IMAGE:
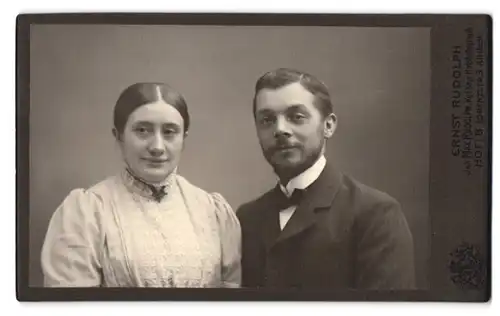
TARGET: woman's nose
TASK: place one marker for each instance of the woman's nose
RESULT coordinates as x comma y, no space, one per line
157,145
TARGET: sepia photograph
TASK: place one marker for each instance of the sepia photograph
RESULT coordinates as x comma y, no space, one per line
264,157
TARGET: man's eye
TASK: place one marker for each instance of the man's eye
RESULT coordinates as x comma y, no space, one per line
298,117
169,132
266,120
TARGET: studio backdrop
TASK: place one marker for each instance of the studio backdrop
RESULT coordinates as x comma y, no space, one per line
379,79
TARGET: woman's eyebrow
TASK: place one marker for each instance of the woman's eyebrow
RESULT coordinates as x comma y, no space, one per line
143,123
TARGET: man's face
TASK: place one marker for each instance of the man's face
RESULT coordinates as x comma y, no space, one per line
291,130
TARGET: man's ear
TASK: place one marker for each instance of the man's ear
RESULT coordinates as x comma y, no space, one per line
330,125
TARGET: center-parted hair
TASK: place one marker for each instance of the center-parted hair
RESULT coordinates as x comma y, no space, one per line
142,93
284,76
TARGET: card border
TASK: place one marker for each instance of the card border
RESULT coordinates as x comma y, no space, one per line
23,22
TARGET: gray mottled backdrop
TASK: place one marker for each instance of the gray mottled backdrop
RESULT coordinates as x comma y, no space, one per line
379,79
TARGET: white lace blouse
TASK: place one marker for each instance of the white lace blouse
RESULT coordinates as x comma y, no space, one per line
115,234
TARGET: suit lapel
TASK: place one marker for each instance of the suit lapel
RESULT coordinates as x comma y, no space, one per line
317,196
270,226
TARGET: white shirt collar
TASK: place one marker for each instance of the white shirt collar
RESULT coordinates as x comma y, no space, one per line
306,178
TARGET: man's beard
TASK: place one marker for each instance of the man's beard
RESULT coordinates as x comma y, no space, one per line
290,171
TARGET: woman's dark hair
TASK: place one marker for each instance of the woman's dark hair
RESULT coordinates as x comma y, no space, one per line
143,93
284,76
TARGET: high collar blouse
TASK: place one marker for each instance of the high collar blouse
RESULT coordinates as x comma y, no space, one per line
119,234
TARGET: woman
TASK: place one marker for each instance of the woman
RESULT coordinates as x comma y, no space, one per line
147,226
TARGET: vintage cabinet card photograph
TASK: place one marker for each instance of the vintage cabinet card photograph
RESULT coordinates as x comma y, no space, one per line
328,157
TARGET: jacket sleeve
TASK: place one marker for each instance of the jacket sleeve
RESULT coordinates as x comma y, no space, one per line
385,251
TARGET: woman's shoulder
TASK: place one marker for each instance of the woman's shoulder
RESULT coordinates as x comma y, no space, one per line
221,205
190,189
104,188
84,206
94,195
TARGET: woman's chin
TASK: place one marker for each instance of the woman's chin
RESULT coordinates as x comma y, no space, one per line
155,176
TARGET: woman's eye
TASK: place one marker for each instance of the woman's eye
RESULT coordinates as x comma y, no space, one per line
141,130
298,117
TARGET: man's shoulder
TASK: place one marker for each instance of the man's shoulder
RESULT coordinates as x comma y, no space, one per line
366,194
368,204
252,209
357,196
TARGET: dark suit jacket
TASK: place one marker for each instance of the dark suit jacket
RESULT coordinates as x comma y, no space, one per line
343,235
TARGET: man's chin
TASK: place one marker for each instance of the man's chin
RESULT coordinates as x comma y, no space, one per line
285,165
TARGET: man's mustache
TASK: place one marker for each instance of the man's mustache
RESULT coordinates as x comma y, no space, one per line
280,145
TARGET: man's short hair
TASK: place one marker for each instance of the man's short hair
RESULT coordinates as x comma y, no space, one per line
284,76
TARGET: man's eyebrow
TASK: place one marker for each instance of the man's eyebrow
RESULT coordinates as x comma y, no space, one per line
171,124
296,106
292,107
265,111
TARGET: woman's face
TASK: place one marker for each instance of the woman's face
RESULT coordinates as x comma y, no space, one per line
152,141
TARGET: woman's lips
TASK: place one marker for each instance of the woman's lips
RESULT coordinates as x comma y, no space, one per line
155,160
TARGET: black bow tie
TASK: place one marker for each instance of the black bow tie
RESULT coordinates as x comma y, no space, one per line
158,193
284,202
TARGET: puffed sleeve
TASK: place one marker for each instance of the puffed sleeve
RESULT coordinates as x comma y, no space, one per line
230,232
70,252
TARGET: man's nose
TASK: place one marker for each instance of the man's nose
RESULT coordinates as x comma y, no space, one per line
282,128
157,145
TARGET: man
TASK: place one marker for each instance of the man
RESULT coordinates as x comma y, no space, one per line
317,228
